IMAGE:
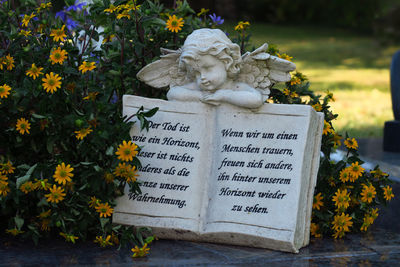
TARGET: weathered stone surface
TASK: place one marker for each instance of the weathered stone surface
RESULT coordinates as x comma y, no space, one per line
225,174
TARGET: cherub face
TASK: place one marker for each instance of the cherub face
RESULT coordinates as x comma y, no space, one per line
210,73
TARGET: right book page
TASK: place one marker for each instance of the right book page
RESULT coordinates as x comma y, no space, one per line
261,175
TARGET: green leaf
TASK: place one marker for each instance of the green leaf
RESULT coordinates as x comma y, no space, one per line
22,180
151,112
110,151
26,177
37,116
19,222
30,171
103,222
97,168
49,145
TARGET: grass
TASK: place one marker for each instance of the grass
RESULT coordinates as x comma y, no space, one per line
354,67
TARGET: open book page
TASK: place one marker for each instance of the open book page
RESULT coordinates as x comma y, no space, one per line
175,166
257,170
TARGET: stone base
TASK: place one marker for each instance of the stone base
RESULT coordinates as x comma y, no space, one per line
391,136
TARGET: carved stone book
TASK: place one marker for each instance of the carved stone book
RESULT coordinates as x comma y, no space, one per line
225,174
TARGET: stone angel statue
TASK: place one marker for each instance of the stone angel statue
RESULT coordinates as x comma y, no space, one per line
209,68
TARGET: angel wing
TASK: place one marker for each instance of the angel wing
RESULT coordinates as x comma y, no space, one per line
163,72
261,70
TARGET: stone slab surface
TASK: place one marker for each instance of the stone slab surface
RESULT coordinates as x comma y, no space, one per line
379,247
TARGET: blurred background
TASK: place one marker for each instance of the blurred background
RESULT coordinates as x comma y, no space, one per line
344,46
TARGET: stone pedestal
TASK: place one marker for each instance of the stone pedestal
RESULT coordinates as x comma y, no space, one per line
391,136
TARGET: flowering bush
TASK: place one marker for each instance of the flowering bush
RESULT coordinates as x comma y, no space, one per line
64,157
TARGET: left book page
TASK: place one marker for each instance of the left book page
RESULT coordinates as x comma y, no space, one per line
176,159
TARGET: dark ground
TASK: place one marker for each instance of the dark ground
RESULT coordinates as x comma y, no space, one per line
379,247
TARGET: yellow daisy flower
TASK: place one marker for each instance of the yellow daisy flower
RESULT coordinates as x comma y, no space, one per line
355,171
108,38
131,175
27,187
121,169
91,96
42,184
34,71
344,175
110,9
69,238
284,56
367,221
327,128
7,168
58,56
23,126
103,242
25,33
63,173
378,173
27,19
317,204
51,83
330,96
242,25
368,193
295,81
3,177
388,193
109,177
126,151
140,252
374,213
82,133
93,202
351,143
336,140
317,107
4,91
174,24
58,34
56,194
43,6
124,14
9,61
286,91
130,7
314,229
14,231
45,225
341,224
104,209
203,11
4,189
44,214
341,199
87,66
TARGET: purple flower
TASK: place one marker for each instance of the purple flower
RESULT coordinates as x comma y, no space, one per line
114,98
71,24
62,15
216,19
76,7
